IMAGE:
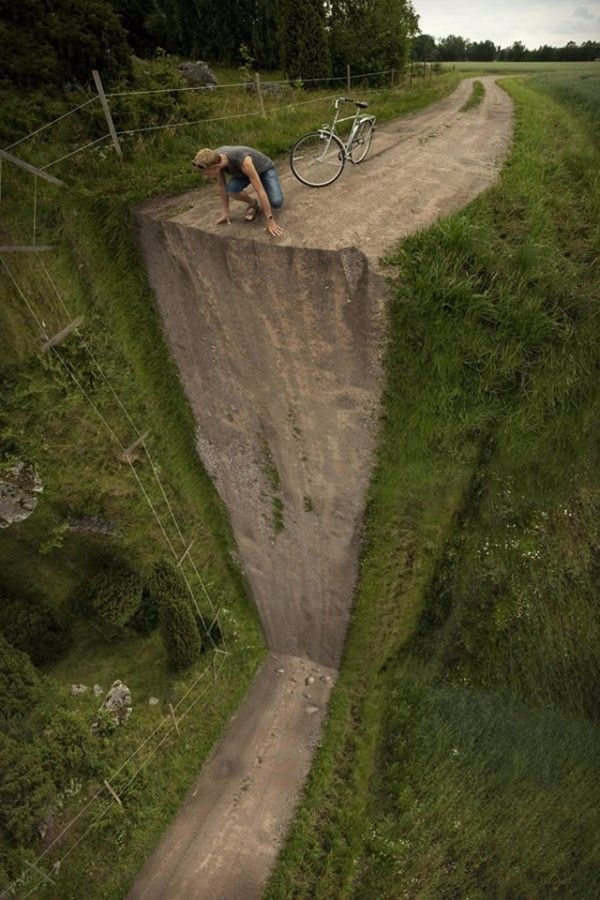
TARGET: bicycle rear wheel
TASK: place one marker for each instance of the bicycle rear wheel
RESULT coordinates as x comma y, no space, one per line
317,158
362,141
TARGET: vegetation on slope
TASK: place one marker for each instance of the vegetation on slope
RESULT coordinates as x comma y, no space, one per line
48,419
460,757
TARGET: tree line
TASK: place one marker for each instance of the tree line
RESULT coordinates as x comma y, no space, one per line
455,48
56,42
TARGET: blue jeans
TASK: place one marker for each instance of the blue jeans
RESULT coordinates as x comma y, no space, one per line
270,182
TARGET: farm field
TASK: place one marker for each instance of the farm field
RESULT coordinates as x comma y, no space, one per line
461,753
526,68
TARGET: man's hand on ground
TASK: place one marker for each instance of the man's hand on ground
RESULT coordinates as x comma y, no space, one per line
273,228
223,220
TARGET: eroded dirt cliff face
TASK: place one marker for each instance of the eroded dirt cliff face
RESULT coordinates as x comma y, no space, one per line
279,351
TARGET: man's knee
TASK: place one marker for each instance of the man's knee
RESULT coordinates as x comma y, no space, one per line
277,201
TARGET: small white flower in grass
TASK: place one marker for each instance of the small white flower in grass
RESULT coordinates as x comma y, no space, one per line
454,751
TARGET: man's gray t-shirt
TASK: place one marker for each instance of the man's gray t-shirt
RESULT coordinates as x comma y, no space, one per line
237,155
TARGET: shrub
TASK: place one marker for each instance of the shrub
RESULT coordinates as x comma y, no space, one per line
20,685
30,624
177,622
25,789
68,748
113,595
145,619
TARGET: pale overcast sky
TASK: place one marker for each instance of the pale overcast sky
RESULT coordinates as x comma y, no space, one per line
553,22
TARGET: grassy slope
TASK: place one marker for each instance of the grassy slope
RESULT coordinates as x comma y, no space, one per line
46,419
460,757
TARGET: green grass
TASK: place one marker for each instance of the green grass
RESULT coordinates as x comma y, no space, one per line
477,95
475,625
525,68
45,418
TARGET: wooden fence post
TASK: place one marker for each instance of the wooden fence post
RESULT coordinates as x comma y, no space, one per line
348,80
106,109
392,78
260,96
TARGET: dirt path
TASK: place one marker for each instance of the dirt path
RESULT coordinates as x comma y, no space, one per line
279,348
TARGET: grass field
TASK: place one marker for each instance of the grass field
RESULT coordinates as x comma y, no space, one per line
45,417
527,68
461,753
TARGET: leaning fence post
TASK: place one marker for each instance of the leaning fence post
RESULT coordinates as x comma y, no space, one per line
392,79
260,96
105,107
348,79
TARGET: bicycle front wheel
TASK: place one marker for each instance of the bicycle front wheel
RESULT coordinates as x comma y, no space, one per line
317,158
362,141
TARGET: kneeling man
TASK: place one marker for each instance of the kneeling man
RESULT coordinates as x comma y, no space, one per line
243,166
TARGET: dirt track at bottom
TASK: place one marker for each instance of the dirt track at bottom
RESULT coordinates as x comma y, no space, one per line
228,832
279,345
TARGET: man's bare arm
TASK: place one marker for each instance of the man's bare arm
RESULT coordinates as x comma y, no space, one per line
221,187
249,169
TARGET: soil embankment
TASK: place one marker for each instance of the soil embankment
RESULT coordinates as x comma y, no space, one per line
279,347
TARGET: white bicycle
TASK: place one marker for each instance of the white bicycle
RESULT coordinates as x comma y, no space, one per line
319,157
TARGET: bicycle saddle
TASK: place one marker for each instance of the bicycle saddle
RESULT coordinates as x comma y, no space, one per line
361,104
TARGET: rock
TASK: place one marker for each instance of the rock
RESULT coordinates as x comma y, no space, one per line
98,690
197,74
91,525
326,679
310,679
18,488
118,703
311,710
153,701
78,689
280,671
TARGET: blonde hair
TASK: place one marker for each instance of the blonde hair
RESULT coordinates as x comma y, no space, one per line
206,158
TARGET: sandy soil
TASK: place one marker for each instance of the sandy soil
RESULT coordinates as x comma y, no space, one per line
228,832
279,348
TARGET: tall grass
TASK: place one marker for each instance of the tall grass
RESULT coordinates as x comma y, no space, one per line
475,626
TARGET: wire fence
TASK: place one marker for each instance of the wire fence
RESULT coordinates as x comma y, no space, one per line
414,70
111,785
119,782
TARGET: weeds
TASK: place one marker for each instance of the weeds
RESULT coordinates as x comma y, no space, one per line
477,95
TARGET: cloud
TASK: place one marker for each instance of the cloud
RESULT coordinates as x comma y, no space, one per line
582,13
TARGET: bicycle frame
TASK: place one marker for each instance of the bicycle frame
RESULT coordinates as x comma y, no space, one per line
357,119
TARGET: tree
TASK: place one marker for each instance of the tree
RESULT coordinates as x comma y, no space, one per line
423,48
177,622
482,51
45,44
371,35
303,40
452,48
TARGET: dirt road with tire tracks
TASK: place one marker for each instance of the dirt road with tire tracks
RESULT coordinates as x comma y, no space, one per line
279,349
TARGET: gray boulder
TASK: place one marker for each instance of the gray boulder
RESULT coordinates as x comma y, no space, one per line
118,702
197,74
18,489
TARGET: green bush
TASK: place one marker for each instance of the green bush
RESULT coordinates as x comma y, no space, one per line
145,619
178,625
113,595
68,749
30,624
25,789
20,685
